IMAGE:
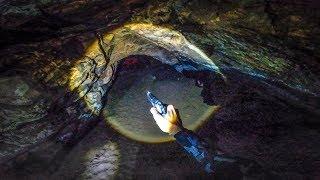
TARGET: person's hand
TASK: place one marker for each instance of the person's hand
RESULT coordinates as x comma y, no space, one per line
170,122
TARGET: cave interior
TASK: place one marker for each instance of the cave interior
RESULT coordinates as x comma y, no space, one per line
244,75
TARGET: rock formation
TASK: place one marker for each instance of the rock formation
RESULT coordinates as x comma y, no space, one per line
257,60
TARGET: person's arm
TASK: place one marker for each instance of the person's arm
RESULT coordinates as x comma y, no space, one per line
197,148
193,145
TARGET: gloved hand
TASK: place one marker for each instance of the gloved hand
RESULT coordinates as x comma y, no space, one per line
170,122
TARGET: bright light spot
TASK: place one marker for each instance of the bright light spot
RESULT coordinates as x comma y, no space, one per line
102,162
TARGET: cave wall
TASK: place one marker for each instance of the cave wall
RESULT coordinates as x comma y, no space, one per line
274,42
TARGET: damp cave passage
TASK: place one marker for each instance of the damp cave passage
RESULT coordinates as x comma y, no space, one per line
127,107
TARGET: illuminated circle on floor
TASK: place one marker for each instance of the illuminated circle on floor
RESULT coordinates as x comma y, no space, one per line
127,108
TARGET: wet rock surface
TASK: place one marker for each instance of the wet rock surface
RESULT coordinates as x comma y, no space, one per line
268,52
24,110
